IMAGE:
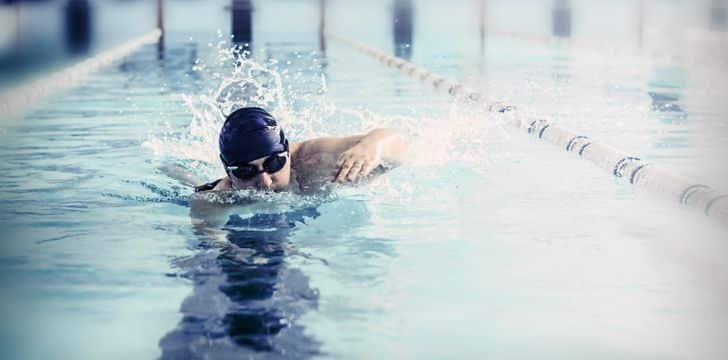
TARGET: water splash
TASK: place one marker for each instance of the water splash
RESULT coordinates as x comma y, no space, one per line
294,89
238,81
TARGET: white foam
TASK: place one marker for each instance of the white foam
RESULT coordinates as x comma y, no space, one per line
434,141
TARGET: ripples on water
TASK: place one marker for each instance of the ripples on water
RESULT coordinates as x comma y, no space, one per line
247,299
478,241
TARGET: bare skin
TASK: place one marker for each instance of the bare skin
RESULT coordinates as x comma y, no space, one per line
313,166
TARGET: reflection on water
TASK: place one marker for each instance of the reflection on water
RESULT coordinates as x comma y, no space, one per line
561,67
663,102
665,91
246,298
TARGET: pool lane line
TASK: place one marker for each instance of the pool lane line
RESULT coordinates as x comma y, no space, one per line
15,101
618,163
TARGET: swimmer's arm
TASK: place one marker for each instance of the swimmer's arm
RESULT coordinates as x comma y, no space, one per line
206,212
214,206
209,232
223,184
379,147
180,174
389,142
388,145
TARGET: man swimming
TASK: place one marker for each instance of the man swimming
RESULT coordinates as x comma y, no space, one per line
257,155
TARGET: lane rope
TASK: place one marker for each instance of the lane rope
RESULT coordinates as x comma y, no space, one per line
15,101
618,163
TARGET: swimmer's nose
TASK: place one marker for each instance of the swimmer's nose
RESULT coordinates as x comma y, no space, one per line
265,182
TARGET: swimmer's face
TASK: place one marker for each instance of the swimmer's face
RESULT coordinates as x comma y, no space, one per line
264,180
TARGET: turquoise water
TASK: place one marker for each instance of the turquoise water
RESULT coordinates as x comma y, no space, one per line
33,37
485,245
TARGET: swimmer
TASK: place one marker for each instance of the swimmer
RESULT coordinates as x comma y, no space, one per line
257,155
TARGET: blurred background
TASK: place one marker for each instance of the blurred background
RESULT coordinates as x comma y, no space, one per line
563,58
489,244
40,35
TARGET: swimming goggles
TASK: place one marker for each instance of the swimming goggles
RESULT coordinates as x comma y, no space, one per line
272,164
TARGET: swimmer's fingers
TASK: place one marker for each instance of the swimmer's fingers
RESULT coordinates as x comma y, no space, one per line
345,157
368,167
341,168
355,170
344,171
341,161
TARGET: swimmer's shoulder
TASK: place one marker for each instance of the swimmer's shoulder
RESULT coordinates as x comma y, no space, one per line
310,155
216,185
325,145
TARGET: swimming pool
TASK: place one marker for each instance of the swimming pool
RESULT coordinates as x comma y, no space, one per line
487,244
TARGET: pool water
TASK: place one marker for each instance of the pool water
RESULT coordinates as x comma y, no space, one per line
486,244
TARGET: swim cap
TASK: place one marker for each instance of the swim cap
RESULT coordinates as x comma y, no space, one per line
248,134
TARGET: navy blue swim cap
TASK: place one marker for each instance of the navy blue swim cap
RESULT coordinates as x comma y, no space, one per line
248,134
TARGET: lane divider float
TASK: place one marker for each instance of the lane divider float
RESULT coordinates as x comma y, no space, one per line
618,163
13,102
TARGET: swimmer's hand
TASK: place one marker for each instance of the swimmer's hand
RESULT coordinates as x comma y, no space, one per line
378,147
357,162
